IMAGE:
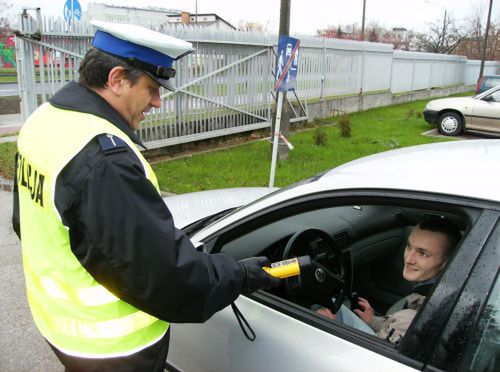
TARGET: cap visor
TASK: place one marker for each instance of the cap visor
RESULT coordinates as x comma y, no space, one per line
165,83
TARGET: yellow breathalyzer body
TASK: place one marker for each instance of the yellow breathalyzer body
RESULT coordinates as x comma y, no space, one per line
287,268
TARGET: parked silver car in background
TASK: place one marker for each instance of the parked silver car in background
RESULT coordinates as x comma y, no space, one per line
487,82
455,115
354,222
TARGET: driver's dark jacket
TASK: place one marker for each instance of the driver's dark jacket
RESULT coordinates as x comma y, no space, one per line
123,234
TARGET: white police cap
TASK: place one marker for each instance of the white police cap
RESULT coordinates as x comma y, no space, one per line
151,51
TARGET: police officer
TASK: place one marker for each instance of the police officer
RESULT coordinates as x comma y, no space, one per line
106,270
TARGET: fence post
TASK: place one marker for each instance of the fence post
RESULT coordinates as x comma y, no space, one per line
430,73
322,81
390,71
360,104
413,74
26,69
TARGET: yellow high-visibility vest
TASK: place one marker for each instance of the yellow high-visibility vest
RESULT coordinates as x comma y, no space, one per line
70,308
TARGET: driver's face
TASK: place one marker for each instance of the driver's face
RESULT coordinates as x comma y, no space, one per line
425,255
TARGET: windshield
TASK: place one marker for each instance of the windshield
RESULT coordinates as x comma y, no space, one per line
191,229
289,187
207,221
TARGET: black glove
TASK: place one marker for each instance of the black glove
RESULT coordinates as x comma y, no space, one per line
256,277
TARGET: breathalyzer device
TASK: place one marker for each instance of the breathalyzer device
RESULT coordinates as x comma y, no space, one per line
287,268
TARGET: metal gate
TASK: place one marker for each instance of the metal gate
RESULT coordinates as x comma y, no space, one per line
224,87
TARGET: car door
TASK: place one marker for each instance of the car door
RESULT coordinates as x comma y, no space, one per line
485,113
291,337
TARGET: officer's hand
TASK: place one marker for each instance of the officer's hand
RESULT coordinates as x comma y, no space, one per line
256,277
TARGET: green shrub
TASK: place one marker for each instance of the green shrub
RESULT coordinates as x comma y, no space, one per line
409,114
319,136
344,126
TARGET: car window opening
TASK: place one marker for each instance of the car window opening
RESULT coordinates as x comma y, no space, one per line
360,253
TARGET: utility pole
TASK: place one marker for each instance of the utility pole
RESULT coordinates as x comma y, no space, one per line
196,12
444,29
485,44
363,22
285,114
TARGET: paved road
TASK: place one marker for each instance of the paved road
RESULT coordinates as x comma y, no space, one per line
9,89
22,348
10,123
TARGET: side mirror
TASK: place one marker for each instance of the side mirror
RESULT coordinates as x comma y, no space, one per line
489,99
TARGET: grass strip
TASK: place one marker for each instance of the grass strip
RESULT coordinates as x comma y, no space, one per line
373,131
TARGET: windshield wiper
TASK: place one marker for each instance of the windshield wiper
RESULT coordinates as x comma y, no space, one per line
200,224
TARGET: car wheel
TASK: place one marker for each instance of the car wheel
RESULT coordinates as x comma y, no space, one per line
450,124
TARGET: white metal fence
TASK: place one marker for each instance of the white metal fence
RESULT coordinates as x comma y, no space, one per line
226,85
472,70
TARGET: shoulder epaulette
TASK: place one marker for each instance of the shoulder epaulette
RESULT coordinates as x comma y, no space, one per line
111,144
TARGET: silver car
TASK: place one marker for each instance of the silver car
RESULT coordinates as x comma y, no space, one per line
454,116
355,220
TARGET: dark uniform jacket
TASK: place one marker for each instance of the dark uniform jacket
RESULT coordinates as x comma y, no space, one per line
123,234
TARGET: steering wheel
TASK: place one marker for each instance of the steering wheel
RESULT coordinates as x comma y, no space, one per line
327,280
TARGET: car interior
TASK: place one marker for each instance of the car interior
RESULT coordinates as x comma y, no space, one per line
358,248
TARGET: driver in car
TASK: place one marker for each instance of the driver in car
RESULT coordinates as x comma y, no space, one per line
429,247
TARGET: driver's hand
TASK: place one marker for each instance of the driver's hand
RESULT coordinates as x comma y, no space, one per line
365,310
326,313
256,277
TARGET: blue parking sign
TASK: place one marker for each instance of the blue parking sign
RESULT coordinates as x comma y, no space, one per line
72,10
287,62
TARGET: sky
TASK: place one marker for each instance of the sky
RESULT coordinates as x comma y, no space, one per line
306,16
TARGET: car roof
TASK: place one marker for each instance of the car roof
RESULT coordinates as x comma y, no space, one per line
463,168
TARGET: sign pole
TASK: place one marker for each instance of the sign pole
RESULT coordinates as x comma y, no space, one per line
276,138
285,79
284,30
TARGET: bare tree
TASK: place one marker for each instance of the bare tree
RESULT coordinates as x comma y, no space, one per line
6,17
472,45
373,35
442,37
7,48
252,26
375,32
331,32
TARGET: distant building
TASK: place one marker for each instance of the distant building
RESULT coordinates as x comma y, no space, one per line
154,17
407,39
472,47
210,20
124,14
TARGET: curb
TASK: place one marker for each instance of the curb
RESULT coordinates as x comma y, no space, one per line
6,139
6,185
